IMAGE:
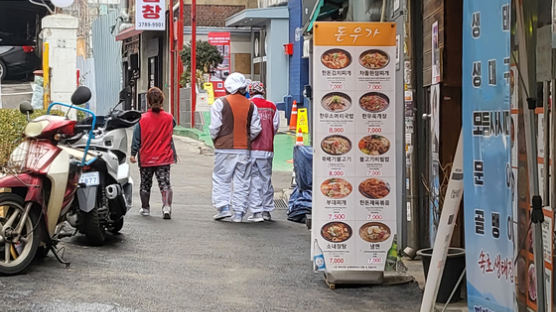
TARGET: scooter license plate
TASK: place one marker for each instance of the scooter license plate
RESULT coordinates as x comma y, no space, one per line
89,178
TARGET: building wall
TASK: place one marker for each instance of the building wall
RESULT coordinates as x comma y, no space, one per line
277,68
299,67
107,53
211,15
148,48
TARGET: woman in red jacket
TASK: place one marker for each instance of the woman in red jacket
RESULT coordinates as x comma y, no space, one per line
152,138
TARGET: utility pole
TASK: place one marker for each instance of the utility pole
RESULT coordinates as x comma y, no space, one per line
193,60
172,59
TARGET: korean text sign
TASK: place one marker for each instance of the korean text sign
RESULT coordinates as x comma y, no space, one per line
150,14
487,147
354,163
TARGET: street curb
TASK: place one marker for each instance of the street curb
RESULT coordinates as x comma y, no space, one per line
203,139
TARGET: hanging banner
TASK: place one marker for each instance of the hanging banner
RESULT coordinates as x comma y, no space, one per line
354,164
221,40
435,54
150,15
434,181
488,182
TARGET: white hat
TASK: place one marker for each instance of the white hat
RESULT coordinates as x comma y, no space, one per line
234,82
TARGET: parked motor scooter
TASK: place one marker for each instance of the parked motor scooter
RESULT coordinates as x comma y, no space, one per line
108,194
38,186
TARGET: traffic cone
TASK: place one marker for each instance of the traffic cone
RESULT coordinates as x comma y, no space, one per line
293,116
299,137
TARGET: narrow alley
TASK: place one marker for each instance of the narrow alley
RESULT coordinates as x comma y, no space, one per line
193,263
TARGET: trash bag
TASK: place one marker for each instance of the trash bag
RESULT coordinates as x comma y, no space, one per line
299,205
303,167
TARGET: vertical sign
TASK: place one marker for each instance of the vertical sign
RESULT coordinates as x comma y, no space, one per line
221,40
354,202
487,148
434,181
435,54
150,15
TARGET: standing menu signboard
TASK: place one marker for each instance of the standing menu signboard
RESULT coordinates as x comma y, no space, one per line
354,164
488,181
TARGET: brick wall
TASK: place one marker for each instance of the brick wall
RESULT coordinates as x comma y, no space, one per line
211,15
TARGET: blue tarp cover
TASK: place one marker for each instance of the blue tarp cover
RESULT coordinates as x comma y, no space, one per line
300,202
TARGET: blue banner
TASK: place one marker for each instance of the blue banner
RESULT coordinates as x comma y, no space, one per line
488,174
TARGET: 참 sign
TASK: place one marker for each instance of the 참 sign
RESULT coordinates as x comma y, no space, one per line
354,164
488,179
150,15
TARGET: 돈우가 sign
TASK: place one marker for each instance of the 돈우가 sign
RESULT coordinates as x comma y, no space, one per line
354,163
150,15
488,181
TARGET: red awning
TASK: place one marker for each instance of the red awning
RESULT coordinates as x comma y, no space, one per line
128,33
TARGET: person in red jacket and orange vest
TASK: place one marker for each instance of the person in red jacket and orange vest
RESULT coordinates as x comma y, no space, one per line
234,123
152,139
261,192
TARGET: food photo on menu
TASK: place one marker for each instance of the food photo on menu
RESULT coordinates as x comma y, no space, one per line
374,188
336,59
374,102
336,145
336,188
336,232
374,59
374,145
374,232
336,102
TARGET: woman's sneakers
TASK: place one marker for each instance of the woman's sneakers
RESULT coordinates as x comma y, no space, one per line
145,212
167,212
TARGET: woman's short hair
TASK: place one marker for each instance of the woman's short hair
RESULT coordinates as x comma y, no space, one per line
155,98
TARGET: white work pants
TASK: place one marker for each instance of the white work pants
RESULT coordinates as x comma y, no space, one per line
230,180
261,192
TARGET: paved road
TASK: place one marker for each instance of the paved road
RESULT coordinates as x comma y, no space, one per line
15,92
192,263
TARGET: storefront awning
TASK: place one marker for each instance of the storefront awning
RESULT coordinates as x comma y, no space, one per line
257,17
128,33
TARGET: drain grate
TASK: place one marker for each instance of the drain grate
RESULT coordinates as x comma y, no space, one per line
280,204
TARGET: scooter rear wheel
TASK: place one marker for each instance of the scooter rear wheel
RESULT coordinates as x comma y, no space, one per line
15,257
91,226
117,226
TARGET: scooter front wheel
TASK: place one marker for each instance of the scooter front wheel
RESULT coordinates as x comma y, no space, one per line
17,250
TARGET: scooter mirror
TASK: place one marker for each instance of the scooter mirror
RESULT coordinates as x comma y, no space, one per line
81,95
25,108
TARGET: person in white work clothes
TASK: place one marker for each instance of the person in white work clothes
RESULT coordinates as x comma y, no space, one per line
261,193
234,124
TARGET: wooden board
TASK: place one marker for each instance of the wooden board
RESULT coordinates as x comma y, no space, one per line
241,62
